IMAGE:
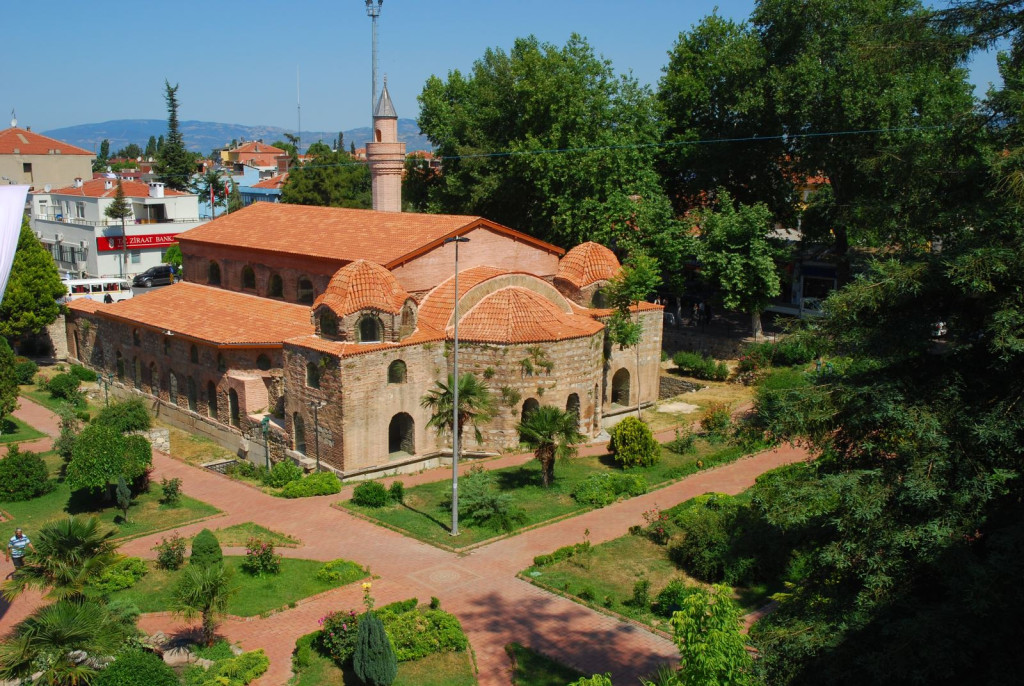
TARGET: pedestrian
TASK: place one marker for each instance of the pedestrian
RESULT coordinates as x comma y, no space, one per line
16,548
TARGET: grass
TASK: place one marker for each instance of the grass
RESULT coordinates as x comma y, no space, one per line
13,430
421,516
239,534
195,450
442,669
55,404
533,669
255,596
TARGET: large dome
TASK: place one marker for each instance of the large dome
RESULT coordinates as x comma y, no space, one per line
587,263
362,285
519,315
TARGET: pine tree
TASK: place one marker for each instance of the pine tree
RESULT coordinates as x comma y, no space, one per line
374,660
120,209
123,495
174,163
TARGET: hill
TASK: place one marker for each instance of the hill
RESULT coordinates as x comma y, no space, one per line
204,136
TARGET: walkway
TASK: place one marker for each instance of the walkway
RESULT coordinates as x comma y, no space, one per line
494,607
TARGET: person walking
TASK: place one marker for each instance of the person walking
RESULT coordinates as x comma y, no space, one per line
16,548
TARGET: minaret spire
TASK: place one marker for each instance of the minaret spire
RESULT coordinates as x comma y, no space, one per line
386,155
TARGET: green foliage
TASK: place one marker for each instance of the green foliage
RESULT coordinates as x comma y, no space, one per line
374,659
23,476
684,443
711,647
397,492
476,405
339,572
482,504
641,598
171,489
170,552
82,373
25,370
206,550
670,599
137,668
416,633
704,546
125,416
8,380
632,444
320,483
700,366
203,592
282,473
30,302
595,680
64,386
234,671
119,209
123,497
715,421
605,488
173,257
122,574
330,179
260,558
174,164
552,434
370,494
339,631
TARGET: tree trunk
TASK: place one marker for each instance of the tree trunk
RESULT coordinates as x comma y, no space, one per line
547,467
755,324
638,362
209,627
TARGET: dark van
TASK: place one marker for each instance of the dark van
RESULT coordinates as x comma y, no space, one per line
155,276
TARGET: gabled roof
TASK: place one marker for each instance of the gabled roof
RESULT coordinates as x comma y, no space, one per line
261,148
362,285
96,188
345,235
207,314
385,109
273,183
15,141
518,315
588,263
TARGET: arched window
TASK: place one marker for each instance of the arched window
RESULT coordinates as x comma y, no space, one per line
77,352
211,400
275,288
213,274
262,362
530,406
136,337
172,391
154,379
572,405
396,372
620,387
233,412
599,300
137,373
402,434
313,375
370,330
408,324
222,364
305,291
248,278
328,323
167,345
120,366
193,354
193,399
299,433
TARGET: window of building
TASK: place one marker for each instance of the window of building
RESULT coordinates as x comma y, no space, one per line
26,167
172,391
193,354
167,345
305,291
276,287
248,278
233,411
136,337
370,330
136,257
213,274
80,210
137,373
313,375
328,323
120,366
222,364
211,399
262,362
193,401
299,433
396,372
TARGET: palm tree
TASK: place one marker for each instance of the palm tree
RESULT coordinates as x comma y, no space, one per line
476,405
203,592
552,434
51,636
70,552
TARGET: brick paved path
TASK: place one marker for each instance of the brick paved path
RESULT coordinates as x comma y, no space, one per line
480,588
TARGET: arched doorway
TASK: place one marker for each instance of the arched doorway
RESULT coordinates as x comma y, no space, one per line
193,399
305,291
298,432
211,399
120,366
402,434
620,387
530,406
213,274
172,393
572,405
137,373
77,352
236,420
154,379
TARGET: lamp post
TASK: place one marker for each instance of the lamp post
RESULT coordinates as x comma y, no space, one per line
455,392
373,11
106,388
265,424
316,405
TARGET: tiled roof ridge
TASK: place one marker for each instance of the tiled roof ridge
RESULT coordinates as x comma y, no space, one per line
515,314
435,308
9,138
587,263
360,285
131,187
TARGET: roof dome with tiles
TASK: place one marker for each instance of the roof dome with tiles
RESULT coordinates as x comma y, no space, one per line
362,285
519,315
588,263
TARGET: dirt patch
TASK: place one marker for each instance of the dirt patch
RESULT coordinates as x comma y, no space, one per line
678,407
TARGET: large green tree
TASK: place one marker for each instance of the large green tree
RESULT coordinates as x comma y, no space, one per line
476,405
204,592
174,164
329,179
30,301
120,209
711,647
552,434
211,185
8,382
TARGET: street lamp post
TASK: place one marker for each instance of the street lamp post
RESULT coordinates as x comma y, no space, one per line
373,11
106,388
455,392
265,424
316,405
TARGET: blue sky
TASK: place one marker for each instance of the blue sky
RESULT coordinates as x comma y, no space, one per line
74,62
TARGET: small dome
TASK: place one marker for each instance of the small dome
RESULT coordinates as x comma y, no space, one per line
587,263
519,315
362,285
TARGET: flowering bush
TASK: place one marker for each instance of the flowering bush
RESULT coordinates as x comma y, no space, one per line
338,635
260,557
170,552
657,526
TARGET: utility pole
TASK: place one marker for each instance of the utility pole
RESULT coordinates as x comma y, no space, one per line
373,11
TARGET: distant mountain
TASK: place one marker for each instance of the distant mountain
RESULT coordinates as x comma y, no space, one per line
204,136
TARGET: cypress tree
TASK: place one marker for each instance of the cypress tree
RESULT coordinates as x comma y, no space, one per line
374,660
206,550
174,165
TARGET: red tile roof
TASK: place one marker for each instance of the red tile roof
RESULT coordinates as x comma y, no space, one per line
587,263
518,315
96,188
261,148
209,314
346,235
362,285
274,182
261,162
340,349
15,141
436,308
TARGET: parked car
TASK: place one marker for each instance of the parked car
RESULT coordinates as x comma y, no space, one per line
155,276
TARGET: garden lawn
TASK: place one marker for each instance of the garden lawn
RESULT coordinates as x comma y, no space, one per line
239,534
54,404
440,669
533,669
13,430
421,516
255,595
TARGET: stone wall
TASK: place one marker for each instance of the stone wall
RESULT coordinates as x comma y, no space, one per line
671,386
621,363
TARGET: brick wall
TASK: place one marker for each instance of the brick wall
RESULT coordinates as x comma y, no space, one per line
626,359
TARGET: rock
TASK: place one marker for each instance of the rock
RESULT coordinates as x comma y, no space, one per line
178,656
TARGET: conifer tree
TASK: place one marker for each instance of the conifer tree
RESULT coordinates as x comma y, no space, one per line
120,209
374,660
206,550
30,301
174,163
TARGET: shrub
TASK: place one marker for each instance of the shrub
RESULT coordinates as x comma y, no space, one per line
138,458
700,366
83,416
25,370
124,573
670,599
596,680
206,550
282,473
632,444
396,608
235,671
339,572
435,603
170,552
370,494
64,387
374,659
563,553
137,668
171,489
82,373
320,483
260,557
605,488
482,504
23,476
716,421
241,468
69,428
397,492
338,635
704,546
302,656
101,455
125,416
641,599
683,443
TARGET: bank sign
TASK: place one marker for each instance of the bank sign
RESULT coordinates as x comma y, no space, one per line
153,240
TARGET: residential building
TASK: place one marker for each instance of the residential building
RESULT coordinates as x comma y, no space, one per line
38,161
267,190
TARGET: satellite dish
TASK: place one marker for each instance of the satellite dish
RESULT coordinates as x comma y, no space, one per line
46,188
14,123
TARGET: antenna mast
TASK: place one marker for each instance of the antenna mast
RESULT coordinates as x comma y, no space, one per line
373,11
298,107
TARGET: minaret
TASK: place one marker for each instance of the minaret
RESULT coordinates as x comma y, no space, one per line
386,156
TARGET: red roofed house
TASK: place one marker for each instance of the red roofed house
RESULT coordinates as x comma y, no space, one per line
35,160
332,324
